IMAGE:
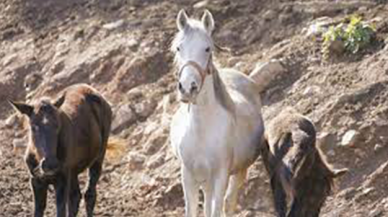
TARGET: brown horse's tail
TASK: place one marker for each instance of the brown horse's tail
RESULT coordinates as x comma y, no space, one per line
116,148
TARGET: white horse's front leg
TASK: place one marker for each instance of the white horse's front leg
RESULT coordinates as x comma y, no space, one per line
235,184
220,187
191,191
208,193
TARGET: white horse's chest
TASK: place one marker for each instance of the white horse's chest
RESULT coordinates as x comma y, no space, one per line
202,145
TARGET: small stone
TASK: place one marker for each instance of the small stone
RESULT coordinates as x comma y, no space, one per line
233,61
150,128
166,103
378,147
367,190
136,160
337,47
317,27
378,211
380,122
7,60
249,213
80,33
155,163
154,144
166,120
123,118
132,44
169,195
269,15
241,66
201,4
285,19
134,93
349,138
145,109
311,90
57,67
331,153
11,121
363,8
31,81
113,25
313,31
385,202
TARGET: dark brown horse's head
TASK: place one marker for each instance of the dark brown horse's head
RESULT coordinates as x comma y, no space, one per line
44,128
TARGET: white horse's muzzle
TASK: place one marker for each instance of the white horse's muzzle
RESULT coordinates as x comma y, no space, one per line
189,95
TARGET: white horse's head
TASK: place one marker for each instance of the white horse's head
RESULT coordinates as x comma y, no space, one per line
193,46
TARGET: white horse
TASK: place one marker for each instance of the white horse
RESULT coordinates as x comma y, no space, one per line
218,129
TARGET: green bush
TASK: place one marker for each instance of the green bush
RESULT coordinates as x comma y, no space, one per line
354,36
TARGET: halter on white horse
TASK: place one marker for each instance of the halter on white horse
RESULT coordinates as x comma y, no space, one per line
198,68
218,138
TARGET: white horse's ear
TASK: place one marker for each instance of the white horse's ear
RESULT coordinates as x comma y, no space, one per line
208,21
182,19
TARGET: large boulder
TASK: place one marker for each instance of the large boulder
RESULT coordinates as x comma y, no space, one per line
265,72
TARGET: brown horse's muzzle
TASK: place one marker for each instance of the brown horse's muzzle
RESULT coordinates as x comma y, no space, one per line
49,166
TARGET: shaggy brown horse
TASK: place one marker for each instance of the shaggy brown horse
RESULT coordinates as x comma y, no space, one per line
296,166
65,138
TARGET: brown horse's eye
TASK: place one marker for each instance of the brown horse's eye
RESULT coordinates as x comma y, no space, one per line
207,50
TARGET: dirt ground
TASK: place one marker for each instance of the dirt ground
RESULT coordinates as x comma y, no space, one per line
121,47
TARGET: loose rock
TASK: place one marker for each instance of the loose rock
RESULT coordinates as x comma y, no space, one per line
349,138
113,25
123,118
153,144
136,160
145,108
201,4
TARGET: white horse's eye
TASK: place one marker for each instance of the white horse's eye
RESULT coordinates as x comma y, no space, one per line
207,49
178,49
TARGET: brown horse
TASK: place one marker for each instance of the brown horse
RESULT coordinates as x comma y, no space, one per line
296,166
65,138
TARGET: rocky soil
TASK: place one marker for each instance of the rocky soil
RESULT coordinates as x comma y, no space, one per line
121,47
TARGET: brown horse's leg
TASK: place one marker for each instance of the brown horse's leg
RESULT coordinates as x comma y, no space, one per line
74,197
39,188
279,196
91,193
61,194
296,208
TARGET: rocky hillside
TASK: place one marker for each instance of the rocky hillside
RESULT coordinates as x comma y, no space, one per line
121,47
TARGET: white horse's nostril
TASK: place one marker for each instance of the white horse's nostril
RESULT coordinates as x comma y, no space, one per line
194,87
180,88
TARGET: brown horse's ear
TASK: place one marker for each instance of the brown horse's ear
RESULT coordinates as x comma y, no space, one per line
181,20
58,103
22,107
